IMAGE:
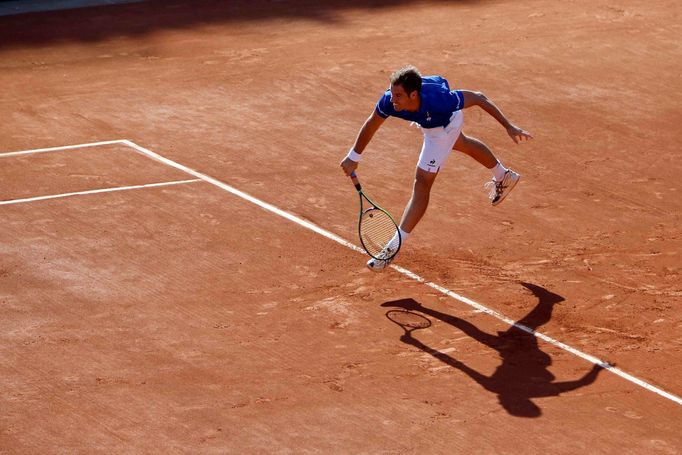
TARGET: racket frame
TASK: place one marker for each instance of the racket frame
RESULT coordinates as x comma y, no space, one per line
409,327
373,206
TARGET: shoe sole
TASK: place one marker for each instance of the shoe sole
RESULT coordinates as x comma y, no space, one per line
509,190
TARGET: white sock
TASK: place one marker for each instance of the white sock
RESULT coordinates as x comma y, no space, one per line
499,171
403,236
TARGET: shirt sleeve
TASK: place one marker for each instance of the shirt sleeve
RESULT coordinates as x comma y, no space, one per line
384,108
456,100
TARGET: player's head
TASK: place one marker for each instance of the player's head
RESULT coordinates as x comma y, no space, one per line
405,86
408,78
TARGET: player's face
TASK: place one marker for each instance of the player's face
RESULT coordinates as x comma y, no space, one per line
400,99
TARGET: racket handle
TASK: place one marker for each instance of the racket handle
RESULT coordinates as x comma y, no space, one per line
355,180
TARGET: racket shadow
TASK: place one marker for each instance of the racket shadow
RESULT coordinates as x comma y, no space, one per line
523,373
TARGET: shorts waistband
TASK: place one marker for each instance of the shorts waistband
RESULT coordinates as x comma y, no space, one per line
438,130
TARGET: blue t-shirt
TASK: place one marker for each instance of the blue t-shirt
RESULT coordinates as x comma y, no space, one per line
438,103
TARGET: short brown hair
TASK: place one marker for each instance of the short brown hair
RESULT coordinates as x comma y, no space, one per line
408,77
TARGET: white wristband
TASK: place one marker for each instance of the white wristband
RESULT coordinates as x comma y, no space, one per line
353,155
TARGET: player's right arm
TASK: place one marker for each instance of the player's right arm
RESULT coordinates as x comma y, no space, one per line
371,125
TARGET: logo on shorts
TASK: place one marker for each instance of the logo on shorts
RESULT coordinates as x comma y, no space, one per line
428,116
432,163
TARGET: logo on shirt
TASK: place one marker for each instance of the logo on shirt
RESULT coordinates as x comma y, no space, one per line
428,116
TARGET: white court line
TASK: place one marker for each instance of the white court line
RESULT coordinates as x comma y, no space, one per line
56,149
414,276
103,190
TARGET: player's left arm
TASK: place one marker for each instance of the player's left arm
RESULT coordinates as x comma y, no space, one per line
479,99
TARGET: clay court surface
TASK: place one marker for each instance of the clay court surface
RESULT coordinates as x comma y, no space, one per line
167,314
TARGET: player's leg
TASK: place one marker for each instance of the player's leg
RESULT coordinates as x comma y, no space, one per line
477,150
437,146
416,207
414,211
504,180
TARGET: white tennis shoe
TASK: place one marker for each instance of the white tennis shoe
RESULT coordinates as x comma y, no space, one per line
500,190
378,265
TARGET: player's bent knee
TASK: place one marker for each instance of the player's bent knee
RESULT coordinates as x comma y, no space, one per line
463,143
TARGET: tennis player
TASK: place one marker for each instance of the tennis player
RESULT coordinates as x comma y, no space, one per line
428,102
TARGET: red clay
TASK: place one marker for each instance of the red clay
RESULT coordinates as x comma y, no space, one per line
186,320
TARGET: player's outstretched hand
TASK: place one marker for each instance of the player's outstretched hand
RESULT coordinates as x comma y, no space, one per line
349,166
518,134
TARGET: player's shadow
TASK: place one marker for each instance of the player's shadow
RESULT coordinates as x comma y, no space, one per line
523,373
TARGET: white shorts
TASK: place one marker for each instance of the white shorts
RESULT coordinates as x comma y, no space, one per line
438,143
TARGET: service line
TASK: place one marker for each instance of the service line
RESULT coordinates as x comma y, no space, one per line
57,149
102,190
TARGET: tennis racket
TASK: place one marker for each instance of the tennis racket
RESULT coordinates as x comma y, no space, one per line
379,234
408,320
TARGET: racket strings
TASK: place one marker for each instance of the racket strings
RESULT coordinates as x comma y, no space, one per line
377,230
